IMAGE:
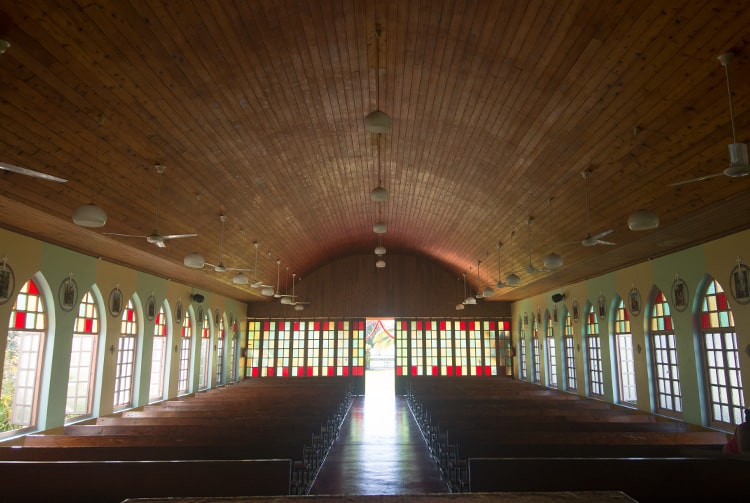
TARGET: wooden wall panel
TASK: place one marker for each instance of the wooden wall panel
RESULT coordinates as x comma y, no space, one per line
409,286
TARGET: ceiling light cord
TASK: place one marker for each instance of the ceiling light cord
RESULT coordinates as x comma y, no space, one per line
586,189
731,107
378,31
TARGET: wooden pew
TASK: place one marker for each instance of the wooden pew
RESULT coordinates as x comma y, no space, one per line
114,481
644,479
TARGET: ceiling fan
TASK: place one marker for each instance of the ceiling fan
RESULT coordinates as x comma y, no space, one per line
256,282
738,162
596,239
220,267
511,280
297,303
30,172
530,268
155,238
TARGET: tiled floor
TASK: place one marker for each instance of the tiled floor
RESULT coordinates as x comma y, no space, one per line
379,449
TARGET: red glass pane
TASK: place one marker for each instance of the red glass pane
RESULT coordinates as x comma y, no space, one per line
721,301
300,371
488,370
341,325
88,325
131,314
667,323
255,372
271,372
399,371
419,325
472,324
506,325
462,325
450,371
442,325
266,325
33,290
625,315
428,325
309,371
20,321
331,371
414,370
316,325
435,371
705,320
459,371
285,372
346,371
296,325
404,326
492,325
479,371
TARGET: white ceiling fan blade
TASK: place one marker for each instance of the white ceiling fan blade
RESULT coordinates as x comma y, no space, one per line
697,179
179,236
609,243
243,269
30,172
602,234
124,235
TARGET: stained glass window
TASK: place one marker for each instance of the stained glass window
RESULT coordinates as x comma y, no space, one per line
283,340
722,358
551,354
313,353
269,349
594,354
506,353
342,350
158,356
417,348
570,353
23,357
431,347
474,336
254,329
459,347
125,365
664,347
625,357
489,345
82,359
220,337
205,362
402,348
522,354
328,363
186,339
535,353
358,344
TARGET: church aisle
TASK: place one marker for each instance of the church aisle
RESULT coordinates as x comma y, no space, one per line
379,449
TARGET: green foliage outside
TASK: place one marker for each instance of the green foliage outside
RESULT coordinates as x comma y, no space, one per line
10,370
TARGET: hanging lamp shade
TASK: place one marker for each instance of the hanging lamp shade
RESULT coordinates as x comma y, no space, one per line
240,279
553,261
286,300
380,250
267,291
89,215
513,279
470,300
380,227
194,261
377,122
488,292
643,220
379,194
460,306
380,263
299,307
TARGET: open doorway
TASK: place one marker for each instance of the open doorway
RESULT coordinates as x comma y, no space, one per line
380,357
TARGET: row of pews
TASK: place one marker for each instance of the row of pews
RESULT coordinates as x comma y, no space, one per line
256,437
499,434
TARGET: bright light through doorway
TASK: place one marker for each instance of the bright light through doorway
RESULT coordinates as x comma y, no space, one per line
380,358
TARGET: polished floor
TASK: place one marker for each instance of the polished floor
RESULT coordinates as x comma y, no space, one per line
380,450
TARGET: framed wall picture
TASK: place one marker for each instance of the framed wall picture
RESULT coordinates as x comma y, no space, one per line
114,304
67,294
680,294
217,317
525,319
178,312
634,301
738,283
601,306
151,307
7,282
200,315
576,311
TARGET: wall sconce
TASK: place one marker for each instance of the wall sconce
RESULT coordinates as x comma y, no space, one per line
112,349
175,348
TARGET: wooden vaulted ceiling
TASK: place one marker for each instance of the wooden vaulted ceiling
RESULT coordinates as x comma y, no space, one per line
257,110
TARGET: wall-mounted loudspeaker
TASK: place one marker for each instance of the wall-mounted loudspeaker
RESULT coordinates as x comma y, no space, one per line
196,297
558,297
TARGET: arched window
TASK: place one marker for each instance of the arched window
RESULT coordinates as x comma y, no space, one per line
83,359
234,369
625,357
158,356
22,365
125,366
186,337
220,353
522,353
205,366
551,354
594,354
571,380
721,358
535,352
664,349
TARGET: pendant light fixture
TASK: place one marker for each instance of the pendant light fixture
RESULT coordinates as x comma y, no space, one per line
380,249
268,291
285,299
377,121
643,219
460,306
91,215
380,227
379,194
468,299
512,279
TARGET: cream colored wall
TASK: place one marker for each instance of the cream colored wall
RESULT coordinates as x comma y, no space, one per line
51,265
714,259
